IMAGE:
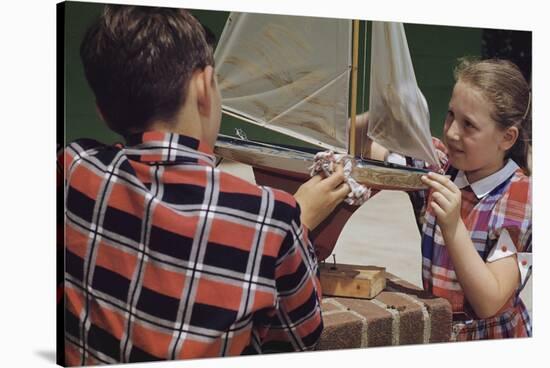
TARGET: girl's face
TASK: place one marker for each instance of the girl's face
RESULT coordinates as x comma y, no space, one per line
476,145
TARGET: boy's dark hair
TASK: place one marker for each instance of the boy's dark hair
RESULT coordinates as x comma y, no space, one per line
138,61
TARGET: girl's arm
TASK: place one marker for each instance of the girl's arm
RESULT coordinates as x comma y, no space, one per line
371,149
487,286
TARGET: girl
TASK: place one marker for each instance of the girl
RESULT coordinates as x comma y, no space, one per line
476,235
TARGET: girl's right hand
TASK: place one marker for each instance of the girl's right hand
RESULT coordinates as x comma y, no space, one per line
446,201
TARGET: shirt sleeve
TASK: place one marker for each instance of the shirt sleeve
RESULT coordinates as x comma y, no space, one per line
297,323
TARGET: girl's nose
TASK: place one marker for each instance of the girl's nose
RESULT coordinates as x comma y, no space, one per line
452,132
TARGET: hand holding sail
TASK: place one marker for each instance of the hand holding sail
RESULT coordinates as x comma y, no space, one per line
368,148
374,151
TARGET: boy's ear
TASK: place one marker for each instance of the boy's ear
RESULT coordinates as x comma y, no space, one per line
510,137
204,87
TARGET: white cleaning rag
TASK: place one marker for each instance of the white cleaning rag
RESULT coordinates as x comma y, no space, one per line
326,162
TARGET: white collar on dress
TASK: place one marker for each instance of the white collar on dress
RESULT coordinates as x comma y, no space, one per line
483,186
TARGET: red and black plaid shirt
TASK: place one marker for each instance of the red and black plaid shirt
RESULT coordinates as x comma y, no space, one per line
167,257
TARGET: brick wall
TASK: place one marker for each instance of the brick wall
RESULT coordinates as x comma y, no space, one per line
401,314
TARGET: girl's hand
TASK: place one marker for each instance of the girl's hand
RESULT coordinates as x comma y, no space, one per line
446,199
370,149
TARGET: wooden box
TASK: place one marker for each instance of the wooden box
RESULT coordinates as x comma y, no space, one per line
354,281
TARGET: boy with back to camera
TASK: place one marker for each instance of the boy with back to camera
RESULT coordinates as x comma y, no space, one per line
166,256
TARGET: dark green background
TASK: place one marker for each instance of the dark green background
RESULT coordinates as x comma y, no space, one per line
434,50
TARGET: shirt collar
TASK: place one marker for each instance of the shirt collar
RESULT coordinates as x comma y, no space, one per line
484,186
164,147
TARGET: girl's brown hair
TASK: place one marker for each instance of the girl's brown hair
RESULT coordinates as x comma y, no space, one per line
503,84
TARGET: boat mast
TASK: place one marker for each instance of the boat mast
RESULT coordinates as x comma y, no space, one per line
354,62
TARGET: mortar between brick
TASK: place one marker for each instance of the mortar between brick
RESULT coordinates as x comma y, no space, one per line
364,327
394,321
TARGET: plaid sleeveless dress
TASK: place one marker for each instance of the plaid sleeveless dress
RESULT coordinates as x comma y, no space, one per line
499,224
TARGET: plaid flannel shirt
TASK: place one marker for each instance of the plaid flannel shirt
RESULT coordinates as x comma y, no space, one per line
500,224
167,257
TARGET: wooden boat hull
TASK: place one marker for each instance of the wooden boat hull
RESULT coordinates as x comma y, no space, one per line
296,163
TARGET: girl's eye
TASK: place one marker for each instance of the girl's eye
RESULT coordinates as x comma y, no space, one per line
467,124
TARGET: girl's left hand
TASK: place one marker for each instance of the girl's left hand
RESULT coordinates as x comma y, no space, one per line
446,199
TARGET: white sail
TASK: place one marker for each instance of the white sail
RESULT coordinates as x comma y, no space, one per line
290,74
398,113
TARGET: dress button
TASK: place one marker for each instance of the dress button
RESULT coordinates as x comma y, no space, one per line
504,249
524,262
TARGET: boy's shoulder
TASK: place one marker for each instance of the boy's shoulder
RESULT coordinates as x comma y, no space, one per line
86,147
91,146
230,183
85,144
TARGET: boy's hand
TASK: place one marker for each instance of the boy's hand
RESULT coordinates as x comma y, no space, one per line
446,200
318,197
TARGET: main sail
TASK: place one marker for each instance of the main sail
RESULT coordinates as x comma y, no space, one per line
398,113
289,74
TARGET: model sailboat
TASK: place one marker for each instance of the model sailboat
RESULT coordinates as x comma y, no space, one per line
294,75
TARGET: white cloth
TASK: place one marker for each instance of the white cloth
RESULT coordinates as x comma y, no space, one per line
326,162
